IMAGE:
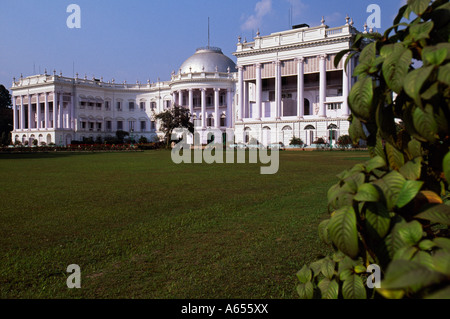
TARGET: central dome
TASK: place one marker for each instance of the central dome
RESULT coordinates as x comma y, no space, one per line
208,59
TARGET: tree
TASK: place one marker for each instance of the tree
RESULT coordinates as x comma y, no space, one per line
6,115
393,210
175,117
5,98
120,136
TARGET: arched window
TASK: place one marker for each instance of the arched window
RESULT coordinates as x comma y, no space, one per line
309,134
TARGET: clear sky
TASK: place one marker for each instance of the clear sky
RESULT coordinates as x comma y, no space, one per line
147,39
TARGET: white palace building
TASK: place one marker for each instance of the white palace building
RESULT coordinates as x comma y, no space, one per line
284,84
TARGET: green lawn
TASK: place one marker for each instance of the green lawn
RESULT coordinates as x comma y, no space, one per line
140,226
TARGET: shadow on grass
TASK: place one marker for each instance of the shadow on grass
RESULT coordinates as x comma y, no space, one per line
40,155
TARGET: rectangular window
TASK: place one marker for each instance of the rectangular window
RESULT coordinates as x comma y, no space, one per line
119,106
119,125
99,127
334,106
222,100
83,125
272,96
82,105
131,106
99,105
153,105
222,121
143,126
142,106
91,126
131,125
168,104
108,125
107,105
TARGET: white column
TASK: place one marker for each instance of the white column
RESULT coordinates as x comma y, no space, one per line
191,101
258,92
203,107
38,111
229,109
46,125
241,93
300,88
278,89
72,113
322,85
29,112
55,107
216,108
22,114
180,98
246,107
14,115
61,111
345,86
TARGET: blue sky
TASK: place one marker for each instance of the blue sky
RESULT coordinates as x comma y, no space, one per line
146,39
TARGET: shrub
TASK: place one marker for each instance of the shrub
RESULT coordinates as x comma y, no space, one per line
393,210
344,141
296,141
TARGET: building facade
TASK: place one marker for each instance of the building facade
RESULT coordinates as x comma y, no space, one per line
284,85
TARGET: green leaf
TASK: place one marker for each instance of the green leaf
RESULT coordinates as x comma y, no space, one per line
374,163
323,231
391,184
395,67
327,268
332,290
359,269
367,193
410,233
378,219
446,166
412,169
304,275
316,267
426,244
444,74
360,98
442,242
437,214
403,274
424,258
405,253
418,6
434,55
395,157
409,190
305,291
339,57
414,82
425,124
368,54
441,261
415,148
356,131
353,288
342,231
420,31
354,181
440,294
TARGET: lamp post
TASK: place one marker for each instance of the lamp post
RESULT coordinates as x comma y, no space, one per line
131,138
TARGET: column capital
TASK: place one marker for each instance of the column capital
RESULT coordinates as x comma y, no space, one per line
277,62
217,89
300,59
258,65
240,67
323,56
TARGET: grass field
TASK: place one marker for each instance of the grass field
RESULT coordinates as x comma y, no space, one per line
140,226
